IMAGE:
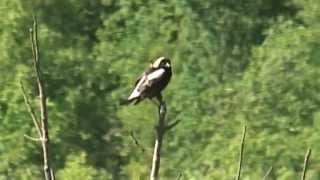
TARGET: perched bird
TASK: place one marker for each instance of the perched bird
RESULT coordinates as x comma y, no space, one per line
152,81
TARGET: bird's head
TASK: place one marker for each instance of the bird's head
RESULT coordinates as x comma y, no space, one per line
162,62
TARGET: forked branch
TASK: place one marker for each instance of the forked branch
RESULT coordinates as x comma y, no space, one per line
161,129
31,111
42,124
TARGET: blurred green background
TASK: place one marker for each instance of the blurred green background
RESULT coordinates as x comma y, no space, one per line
235,62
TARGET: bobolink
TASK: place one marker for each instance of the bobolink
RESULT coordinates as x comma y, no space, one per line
152,81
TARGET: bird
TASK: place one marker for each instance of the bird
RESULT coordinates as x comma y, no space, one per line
152,81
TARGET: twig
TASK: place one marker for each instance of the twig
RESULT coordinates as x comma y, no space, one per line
267,173
31,111
32,138
136,141
305,165
241,152
172,125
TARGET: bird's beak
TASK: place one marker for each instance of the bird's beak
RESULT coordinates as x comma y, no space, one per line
168,64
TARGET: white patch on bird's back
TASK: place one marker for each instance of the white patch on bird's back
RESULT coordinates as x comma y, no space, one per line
155,74
135,93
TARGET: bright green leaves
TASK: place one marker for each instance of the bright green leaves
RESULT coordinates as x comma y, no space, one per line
78,167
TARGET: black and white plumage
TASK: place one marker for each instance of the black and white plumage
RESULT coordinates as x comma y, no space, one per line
152,81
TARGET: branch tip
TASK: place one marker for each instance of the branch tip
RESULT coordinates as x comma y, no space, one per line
136,141
30,109
305,164
32,138
267,173
241,152
172,125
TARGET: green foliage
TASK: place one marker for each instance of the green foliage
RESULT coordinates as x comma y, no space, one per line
77,168
252,62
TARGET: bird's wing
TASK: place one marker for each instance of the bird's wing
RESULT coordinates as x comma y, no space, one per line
149,70
136,91
155,74
146,81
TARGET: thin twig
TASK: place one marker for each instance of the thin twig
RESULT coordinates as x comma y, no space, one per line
267,173
241,152
32,138
136,141
305,165
31,111
172,125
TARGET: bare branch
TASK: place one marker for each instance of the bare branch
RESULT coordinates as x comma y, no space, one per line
31,111
267,173
136,141
241,152
160,131
305,165
35,53
32,138
172,125
32,44
52,174
45,141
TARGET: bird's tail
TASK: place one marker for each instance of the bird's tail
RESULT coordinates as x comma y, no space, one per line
125,102
129,101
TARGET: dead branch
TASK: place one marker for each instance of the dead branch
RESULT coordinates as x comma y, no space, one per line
136,141
172,125
267,173
305,165
42,125
161,129
241,152
32,138
31,111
